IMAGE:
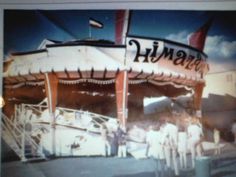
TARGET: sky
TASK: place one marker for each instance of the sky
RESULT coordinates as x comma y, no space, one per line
25,29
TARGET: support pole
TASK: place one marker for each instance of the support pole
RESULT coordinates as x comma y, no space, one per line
90,32
23,159
197,98
121,25
51,85
122,97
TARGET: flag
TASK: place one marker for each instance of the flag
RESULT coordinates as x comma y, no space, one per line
95,23
198,38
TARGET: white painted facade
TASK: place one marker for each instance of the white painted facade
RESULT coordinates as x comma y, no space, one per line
220,83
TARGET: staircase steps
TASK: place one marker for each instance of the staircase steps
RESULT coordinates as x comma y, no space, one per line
15,136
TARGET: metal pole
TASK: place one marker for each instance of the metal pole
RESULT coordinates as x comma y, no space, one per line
124,100
53,133
51,84
90,32
23,159
15,116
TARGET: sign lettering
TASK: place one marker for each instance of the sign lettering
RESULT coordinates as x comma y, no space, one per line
178,55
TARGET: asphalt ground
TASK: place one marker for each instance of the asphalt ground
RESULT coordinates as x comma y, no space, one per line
82,167
221,166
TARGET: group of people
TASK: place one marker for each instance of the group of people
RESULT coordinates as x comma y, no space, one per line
114,142
167,140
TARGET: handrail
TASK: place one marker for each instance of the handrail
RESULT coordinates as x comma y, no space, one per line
8,132
9,129
93,115
96,122
16,147
33,106
35,145
80,111
7,120
100,118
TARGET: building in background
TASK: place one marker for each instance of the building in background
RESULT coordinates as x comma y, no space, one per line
221,83
218,103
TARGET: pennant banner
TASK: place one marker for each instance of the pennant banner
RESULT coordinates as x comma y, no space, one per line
198,38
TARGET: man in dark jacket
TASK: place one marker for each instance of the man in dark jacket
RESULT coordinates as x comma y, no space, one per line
121,136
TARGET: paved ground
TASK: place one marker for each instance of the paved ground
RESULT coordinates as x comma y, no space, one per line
222,166
82,167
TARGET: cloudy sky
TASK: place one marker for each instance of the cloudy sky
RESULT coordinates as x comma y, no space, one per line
24,30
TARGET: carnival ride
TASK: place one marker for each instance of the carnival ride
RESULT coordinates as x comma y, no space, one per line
94,78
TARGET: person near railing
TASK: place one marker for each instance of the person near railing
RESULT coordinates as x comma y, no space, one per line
114,143
121,136
104,135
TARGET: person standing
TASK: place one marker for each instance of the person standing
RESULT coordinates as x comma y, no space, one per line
114,143
121,136
165,142
155,150
195,135
216,134
182,146
149,141
170,140
104,135
160,155
233,130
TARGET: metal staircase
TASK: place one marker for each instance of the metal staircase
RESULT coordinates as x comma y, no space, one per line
20,141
